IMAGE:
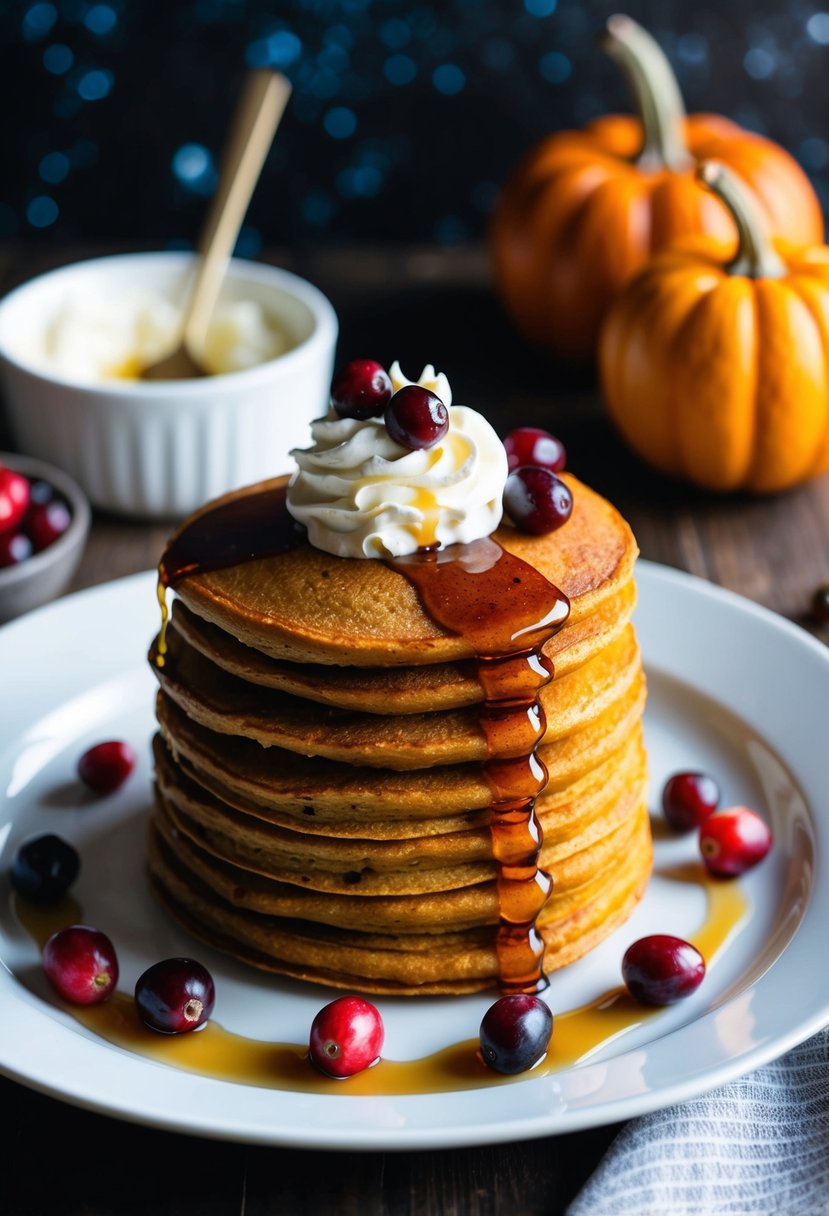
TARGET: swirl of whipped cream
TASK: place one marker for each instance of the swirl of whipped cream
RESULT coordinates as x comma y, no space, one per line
360,494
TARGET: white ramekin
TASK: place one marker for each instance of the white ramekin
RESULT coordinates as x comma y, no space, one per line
153,449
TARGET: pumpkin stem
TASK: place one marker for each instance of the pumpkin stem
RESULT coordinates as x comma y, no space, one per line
756,257
655,91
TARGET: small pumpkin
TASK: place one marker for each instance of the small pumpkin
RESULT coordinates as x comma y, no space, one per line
585,209
714,359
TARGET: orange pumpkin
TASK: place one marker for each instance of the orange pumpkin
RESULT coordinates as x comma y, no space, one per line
587,208
714,365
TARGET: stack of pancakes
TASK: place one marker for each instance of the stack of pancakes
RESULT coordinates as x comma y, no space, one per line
321,807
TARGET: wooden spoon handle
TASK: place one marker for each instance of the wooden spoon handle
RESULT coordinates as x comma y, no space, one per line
255,121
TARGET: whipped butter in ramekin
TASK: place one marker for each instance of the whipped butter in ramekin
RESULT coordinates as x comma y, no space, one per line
93,341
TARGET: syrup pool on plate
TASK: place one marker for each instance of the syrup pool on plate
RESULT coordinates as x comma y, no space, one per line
216,1052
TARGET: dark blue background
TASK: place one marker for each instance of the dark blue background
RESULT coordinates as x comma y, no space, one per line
406,116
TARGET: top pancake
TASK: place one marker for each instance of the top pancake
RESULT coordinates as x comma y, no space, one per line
308,606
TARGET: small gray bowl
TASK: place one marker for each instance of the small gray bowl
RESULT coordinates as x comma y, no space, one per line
45,575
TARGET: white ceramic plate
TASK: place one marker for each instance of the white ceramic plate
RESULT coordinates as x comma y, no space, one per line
734,690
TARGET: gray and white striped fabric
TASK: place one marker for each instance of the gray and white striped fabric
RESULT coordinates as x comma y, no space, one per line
756,1145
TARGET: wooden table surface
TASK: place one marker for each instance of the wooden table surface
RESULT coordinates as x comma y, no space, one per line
419,305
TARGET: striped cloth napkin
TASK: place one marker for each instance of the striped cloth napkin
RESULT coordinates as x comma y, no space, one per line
756,1145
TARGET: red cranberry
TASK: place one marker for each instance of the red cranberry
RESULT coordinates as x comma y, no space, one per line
47,521
81,964
346,1037
661,969
175,995
536,500
688,799
15,547
733,840
106,766
416,418
531,445
14,498
515,1033
44,869
361,389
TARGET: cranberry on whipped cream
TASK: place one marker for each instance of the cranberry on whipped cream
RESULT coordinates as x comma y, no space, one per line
359,493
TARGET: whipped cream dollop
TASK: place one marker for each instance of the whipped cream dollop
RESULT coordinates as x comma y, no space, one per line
361,494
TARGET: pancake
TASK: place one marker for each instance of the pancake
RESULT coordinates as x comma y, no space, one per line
447,961
410,690
454,902
342,798
326,797
309,607
226,704
400,865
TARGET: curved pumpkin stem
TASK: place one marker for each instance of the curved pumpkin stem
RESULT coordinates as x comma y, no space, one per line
756,257
655,91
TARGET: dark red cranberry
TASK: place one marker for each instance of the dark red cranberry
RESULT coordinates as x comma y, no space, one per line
733,840
531,445
81,964
346,1037
175,995
515,1033
14,498
688,799
820,603
416,418
661,969
44,869
47,521
361,389
536,500
106,766
15,547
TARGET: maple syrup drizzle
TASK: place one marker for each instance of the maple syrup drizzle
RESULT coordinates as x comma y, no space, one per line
506,610
224,1055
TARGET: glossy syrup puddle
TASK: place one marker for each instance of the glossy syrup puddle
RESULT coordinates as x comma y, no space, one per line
223,1055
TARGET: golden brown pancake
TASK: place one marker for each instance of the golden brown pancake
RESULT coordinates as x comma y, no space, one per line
309,607
444,961
449,902
226,704
401,865
329,797
323,805
410,690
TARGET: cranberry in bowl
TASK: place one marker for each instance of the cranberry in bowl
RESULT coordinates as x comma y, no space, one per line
44,524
